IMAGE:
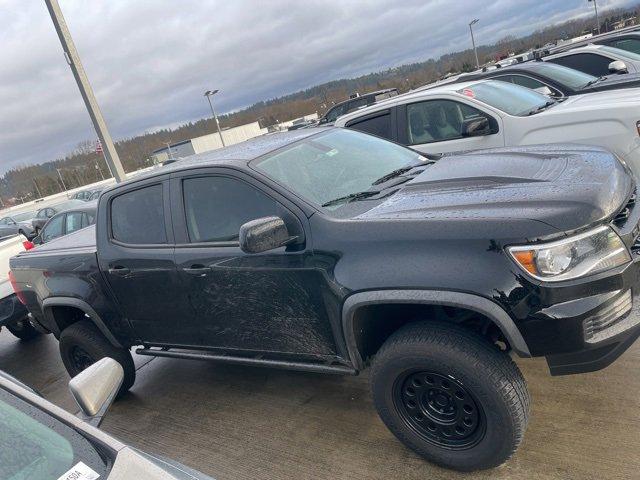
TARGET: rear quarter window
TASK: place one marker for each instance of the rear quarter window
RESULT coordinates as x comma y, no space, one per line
137,217
378,124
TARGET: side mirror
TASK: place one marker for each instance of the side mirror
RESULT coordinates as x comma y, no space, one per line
618,66
264,234
475,127
544,90
95,388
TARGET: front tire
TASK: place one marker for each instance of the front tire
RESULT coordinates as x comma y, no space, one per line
82,344
23,330
450,396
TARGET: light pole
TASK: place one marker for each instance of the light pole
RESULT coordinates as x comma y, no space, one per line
473,42
209,94
595,6
73,59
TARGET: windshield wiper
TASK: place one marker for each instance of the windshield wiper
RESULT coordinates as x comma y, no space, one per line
595,80
541,107
395,173
351,197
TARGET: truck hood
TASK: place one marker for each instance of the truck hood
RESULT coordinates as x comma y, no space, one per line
565,186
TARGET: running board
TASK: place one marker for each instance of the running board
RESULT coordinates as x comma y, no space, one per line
255,362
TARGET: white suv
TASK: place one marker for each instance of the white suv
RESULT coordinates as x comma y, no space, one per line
490,113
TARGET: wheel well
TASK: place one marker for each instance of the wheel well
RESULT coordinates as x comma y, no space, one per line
65,315
373,324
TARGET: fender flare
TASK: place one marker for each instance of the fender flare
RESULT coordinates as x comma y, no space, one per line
48,303
479,304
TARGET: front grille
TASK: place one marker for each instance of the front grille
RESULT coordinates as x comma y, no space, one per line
608,321
623,215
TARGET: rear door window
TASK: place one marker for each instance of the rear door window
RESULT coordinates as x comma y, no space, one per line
137,217
378,124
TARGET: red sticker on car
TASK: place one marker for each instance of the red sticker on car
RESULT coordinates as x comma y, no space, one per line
468,92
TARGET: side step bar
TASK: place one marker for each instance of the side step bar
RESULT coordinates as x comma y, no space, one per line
255,362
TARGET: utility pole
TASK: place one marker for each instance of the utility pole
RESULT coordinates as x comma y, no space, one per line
595,6
64,187
73,59
473,41
209,94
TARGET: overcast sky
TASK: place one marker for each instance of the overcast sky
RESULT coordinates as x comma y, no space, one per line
150,60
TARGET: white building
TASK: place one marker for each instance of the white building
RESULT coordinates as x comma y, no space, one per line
209,142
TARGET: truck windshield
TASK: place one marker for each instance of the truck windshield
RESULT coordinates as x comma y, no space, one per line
335,164
508,97
566,76
627,55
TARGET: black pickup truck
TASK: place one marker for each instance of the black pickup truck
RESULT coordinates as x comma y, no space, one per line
330,250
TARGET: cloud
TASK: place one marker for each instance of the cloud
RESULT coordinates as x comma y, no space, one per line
149,62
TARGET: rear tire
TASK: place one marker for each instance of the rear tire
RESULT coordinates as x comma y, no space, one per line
450,396
23,330
82,344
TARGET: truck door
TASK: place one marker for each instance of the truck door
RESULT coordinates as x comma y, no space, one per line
271,302
135,254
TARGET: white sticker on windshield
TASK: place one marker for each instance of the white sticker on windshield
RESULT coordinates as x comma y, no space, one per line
331,152
79,472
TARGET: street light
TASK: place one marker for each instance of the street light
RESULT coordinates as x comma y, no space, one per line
595,5
209,94
473,42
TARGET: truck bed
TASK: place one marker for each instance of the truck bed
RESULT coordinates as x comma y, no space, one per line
84,240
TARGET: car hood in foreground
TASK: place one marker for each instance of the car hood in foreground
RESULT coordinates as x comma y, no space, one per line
565,186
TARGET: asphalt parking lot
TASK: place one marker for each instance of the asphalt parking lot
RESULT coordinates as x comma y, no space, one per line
252,423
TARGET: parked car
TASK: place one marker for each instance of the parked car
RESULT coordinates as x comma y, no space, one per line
13,314
85,195
598,60
39,440
20,223
44,214
490,113
354,103
327,250
552,79
67,221
95,194
629,40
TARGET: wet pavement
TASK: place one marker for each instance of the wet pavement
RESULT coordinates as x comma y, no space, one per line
252,423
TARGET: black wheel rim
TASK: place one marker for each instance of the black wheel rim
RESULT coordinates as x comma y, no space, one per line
440,409
80,359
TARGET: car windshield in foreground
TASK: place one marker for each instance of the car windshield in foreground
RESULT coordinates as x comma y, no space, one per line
626,54
36,446
574,79
508,97
21,217
337,165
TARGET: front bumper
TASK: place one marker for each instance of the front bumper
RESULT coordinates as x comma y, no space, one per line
595,330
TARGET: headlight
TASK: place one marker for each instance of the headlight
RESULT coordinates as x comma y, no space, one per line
584,254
